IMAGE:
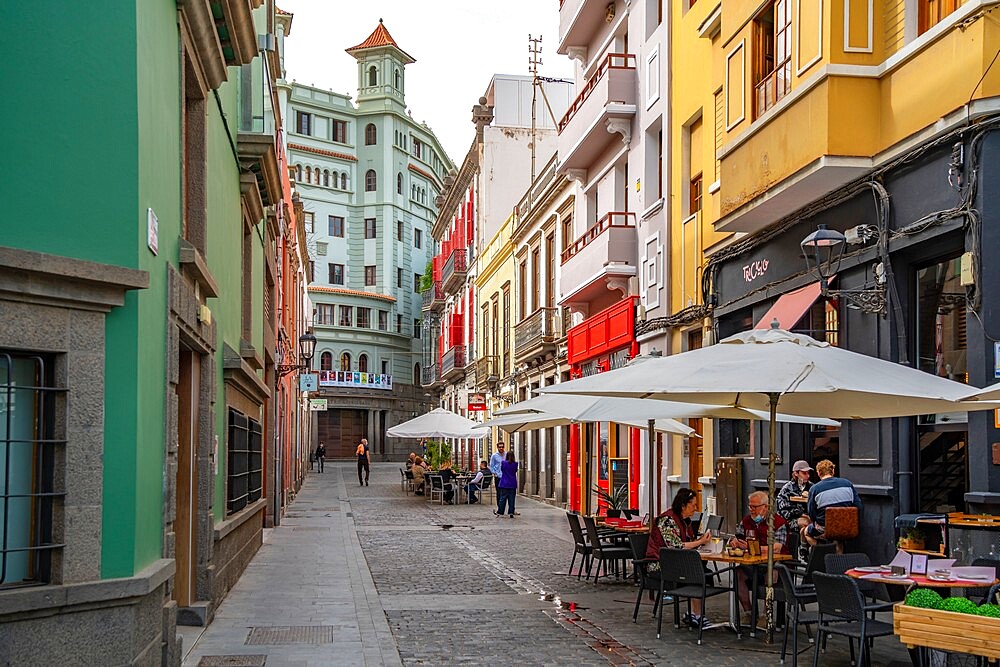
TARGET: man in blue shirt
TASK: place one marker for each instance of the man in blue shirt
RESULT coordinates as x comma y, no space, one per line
829,491
495,461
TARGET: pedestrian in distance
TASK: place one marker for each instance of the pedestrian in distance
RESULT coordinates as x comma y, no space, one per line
320,456
507,488
364,462
495,462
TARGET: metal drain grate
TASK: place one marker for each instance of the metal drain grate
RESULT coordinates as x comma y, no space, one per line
233,661
291,634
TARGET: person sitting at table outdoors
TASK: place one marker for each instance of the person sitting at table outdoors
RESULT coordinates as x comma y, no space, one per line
447,478
419,468
754,526
673,529
475,484
828,492
794,511
409,461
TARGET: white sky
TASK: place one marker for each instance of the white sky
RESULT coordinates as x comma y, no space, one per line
458,46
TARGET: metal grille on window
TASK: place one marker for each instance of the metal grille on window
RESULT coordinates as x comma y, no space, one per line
245,461
28,400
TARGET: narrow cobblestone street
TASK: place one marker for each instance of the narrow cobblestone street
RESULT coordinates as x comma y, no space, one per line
370,575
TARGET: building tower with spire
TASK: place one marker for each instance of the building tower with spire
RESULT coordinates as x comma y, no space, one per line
368,175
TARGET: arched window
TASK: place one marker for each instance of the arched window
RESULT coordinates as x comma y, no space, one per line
413,191
345,361
316,175
370,180
416,373
326,178
298,172
372,76
399,183
334,178
326,361
309,174
343,181
397,80
370,134
363,363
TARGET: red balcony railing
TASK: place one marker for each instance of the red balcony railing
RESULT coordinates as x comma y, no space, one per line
613,61
613,219
453,360
454,268
431,297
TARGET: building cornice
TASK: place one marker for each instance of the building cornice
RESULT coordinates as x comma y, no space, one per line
350,292
321,151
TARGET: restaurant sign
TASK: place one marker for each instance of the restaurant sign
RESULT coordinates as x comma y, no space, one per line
355,379
477,402
317,405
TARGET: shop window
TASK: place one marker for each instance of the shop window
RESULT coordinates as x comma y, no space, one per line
932,12
27,492
326,361
772,55
244,472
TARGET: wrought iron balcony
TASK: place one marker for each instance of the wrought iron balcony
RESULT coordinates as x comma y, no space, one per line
453,273
433,298
453,363
430,375
486,368
537,334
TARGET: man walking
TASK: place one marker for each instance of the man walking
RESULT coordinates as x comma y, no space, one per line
495,467
364,462
320,456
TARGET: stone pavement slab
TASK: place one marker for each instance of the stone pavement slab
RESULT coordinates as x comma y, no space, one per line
390,578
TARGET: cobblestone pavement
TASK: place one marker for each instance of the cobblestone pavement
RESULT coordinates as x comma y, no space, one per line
404,581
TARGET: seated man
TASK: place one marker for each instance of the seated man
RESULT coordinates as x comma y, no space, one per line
754,526
794,511
410,461
475,484
828,492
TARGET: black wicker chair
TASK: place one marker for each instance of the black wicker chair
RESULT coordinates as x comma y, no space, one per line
648,581
605,549
876,592
581,546
796,598
684,571
842,611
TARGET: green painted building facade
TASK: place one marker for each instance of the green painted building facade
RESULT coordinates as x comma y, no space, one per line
143,196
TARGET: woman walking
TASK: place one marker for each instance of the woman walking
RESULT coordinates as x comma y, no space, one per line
507,487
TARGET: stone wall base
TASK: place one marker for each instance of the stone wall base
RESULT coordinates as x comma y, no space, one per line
236,541
128,621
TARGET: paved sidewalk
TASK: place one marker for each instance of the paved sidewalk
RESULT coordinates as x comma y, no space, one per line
373,576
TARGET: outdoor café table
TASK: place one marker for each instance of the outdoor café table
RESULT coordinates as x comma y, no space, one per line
916,580
755,563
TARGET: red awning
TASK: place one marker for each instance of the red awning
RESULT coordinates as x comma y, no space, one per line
790,307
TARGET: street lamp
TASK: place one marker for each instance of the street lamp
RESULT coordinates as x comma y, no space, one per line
307,347
824,250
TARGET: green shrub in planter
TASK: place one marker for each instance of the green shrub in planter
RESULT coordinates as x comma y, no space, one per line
925,598
959,605
991,610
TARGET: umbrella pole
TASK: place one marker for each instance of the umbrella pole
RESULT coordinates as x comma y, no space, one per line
649,482
769,590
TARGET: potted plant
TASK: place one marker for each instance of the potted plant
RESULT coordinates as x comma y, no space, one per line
616,500
437,453
911,539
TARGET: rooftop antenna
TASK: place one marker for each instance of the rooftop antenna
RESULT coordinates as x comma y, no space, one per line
534,60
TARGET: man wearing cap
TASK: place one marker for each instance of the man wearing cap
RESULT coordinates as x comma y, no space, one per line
798,485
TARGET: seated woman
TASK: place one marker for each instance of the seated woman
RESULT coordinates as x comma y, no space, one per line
418,470
754,526
673,529
447,477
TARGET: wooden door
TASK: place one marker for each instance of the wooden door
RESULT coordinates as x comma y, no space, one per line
186,502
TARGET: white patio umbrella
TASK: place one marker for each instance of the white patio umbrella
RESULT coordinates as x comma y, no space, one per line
438,423
771,368
990,393
529,421
635,412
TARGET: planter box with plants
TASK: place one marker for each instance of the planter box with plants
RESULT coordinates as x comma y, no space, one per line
952,624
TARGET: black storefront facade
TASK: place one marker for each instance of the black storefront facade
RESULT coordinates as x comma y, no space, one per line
925,218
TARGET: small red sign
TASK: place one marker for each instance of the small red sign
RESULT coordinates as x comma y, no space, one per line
477,402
